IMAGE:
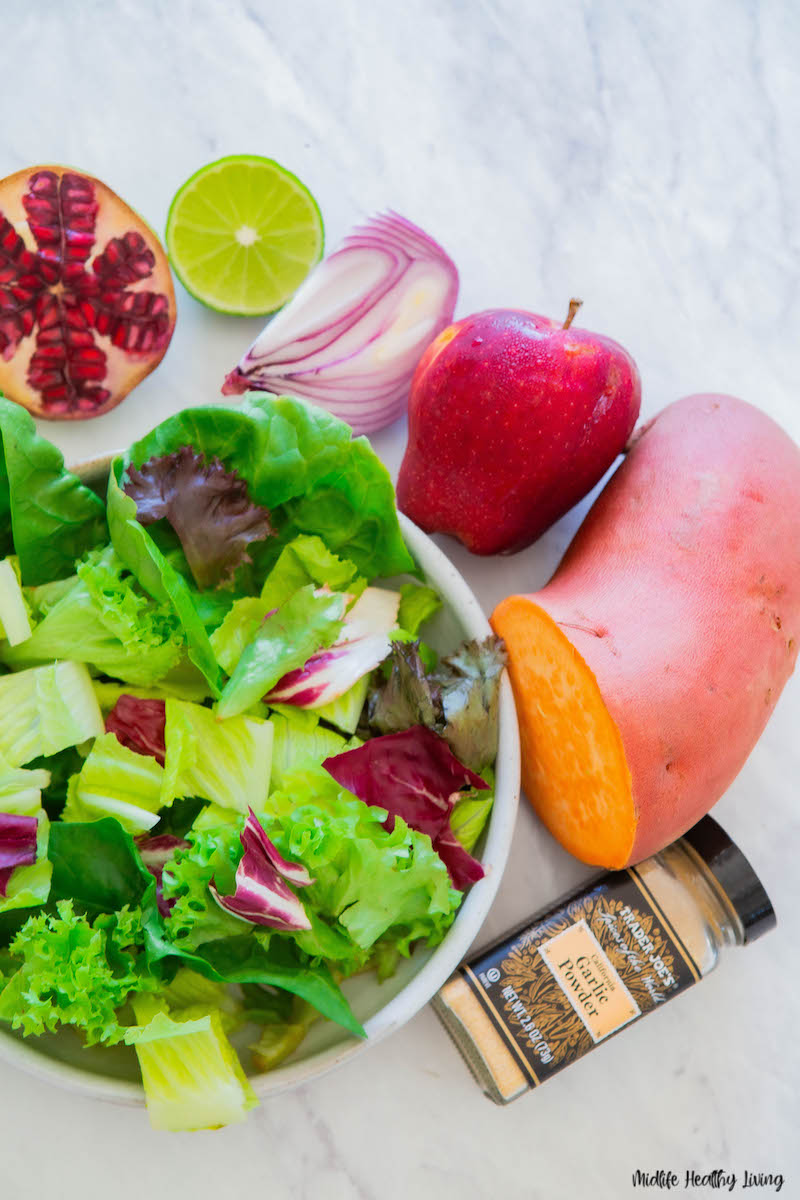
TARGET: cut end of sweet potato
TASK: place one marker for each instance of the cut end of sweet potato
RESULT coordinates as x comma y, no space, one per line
574,769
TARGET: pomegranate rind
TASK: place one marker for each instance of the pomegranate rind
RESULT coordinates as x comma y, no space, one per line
94,250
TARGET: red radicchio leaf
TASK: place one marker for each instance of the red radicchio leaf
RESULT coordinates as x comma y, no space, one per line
414,775
139,725
261,894
17,845
464,870
156,852
208,507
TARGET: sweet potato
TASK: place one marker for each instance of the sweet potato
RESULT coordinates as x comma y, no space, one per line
647,668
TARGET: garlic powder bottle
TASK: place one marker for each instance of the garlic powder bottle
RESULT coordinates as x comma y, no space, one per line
577,974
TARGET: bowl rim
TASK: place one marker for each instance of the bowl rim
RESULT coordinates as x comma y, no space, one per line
446,956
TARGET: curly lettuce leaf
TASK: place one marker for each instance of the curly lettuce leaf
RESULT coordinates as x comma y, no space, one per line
195,918
76,972
370,883
184,939
308,621
47,516
469,688
302,465
105,620
207,506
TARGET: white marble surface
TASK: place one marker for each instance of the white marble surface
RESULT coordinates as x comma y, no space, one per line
643,156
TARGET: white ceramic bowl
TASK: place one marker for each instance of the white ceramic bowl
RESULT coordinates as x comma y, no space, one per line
111,1073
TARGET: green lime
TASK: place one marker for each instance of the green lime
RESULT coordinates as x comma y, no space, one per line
243,233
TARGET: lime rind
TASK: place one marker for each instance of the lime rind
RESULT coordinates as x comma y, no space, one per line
261,200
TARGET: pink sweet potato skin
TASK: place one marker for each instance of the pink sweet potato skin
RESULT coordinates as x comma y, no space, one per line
681,591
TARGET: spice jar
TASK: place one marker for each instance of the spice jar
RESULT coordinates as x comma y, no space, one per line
575,975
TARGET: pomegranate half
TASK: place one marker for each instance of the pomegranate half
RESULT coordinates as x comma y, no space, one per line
87,306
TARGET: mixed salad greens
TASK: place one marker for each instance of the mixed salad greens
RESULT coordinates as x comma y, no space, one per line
231,772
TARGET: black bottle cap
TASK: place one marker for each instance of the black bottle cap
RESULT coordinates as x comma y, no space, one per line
735,876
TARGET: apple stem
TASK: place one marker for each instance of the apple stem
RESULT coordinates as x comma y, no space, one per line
574,305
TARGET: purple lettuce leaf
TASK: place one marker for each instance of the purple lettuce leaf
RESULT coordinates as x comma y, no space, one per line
139,725
261,894
208,507
17,845
459,699
413,775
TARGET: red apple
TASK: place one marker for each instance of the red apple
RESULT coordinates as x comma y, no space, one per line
512,419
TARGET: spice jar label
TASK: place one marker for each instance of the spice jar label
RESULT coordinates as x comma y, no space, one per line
587,978
585,970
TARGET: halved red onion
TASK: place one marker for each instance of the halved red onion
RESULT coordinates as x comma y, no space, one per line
352,335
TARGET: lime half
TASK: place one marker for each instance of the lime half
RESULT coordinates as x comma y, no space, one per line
243,233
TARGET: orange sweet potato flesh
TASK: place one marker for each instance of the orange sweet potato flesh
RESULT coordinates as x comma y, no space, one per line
646,669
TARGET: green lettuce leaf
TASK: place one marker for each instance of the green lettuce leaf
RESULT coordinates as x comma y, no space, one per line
45,709
21,795
29,886
105,620
76,972
47,516
225,761
300,463
116,782
308,560
158,576
417,605
21,789
97,867
345,711
308,621
191,1074
241,624
471,812
15,623
297,746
